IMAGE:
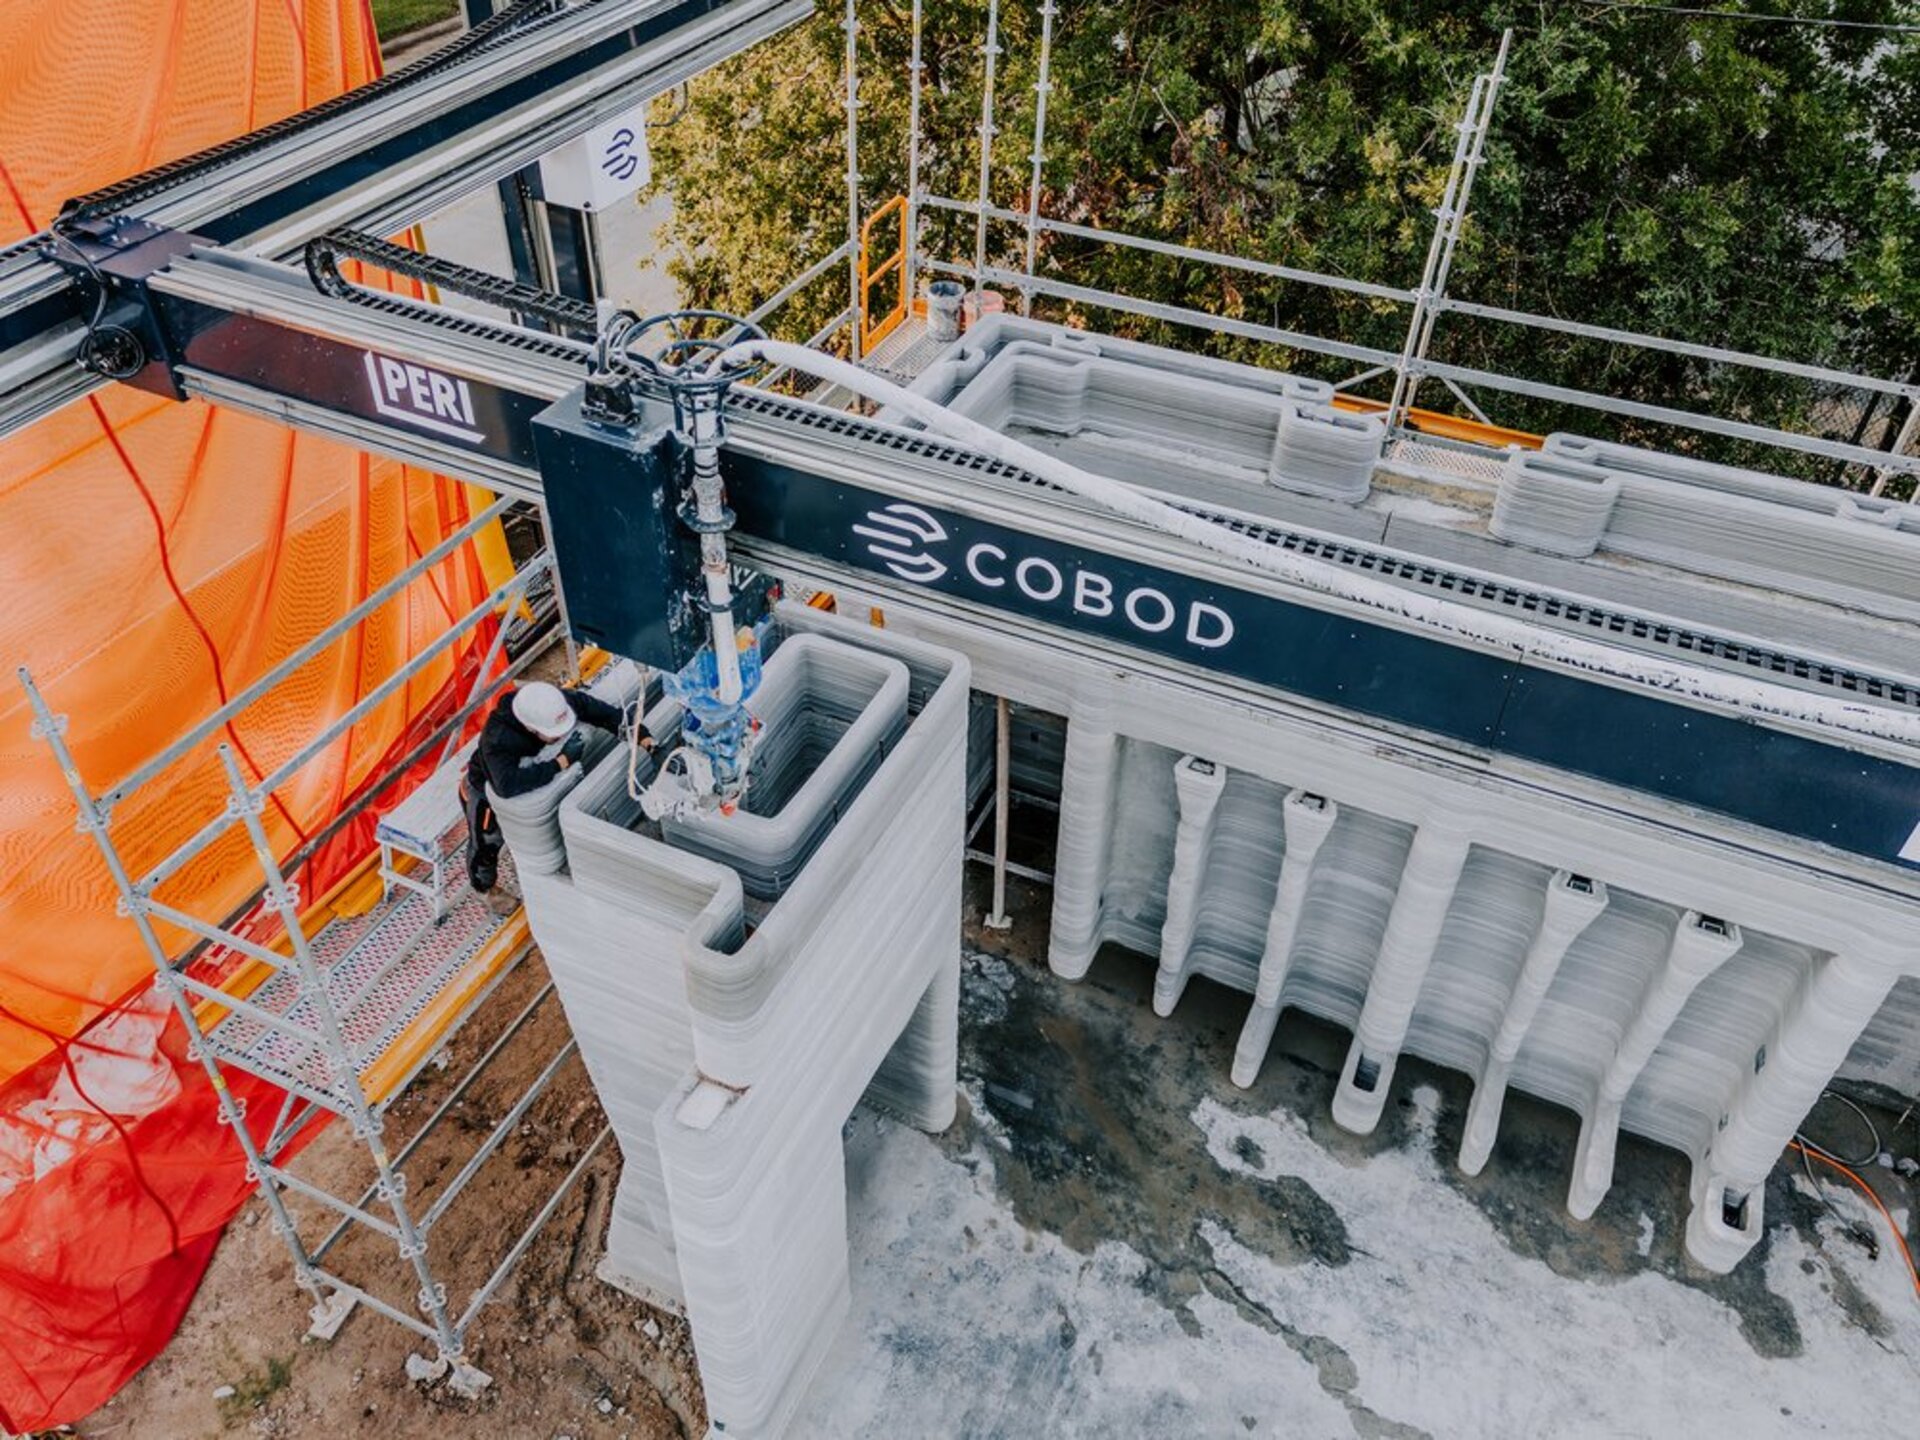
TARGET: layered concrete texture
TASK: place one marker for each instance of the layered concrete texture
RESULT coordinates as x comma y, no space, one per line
1652,968
1675,983
738,985
1436,929
1690,544
828,716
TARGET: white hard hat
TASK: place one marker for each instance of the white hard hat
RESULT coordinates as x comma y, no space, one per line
543,710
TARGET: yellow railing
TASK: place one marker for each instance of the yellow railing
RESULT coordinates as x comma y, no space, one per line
875,328
1452,427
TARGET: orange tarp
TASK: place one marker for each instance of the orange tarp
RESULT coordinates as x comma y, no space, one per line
154,559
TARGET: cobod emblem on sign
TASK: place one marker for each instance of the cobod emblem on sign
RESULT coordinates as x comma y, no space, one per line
900,536
418,396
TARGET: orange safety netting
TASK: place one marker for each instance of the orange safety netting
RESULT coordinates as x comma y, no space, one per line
154,559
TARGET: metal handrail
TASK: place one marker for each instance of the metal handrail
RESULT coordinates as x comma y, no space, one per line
875,328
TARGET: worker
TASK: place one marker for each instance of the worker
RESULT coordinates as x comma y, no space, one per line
532,736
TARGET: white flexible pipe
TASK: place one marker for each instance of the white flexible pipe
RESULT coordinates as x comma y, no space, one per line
713,550
1760,697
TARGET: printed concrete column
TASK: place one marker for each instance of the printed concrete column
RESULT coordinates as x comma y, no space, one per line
1308,820
1817,1027
759,1210
1573,903
1406,951
1197,784
1701,945
1088,778
919,1079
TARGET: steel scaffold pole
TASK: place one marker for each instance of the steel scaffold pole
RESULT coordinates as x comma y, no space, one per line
857,301
915,67
991,51
133,902
1042,88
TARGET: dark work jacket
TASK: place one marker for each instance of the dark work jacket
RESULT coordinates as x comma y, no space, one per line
504,756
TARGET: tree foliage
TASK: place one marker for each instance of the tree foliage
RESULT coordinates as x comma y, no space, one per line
1744,185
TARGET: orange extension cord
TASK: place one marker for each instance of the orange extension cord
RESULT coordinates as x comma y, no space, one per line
1878,1204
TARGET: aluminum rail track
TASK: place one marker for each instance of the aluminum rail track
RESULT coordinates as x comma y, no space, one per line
376,159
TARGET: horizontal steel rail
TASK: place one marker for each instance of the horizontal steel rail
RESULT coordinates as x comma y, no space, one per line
498,1135
1174,314
511,482
229,1057
280,1175
799,282
390,163
1668,415
374,697
405,1152
442,732
1585,399
219,935
374,1303
1179,252
274,1021
1822,373
485,1292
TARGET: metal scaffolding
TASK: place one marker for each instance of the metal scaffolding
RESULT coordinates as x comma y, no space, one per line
341,1019
1425,302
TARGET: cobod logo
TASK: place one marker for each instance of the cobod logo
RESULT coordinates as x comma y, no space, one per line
419,396
900,533
901,537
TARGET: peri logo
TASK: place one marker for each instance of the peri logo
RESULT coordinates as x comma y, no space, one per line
619,160
900,534
419,396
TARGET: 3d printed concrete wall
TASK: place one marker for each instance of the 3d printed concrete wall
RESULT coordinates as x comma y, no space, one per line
828,714
1109,406
1836,574
1688,988
729,1037
1209,431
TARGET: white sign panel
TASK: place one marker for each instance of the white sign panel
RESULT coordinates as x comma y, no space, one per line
605,165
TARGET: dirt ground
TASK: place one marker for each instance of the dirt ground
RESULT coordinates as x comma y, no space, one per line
1087,1086
569,1354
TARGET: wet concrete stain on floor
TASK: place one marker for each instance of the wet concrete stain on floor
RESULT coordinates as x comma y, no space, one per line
1091,1094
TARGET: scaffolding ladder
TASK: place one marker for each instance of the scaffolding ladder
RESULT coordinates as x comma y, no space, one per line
350,997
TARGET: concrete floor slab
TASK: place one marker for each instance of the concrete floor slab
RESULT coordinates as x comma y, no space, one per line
1114,1240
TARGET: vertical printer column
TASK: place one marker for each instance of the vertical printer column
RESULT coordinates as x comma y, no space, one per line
1197,784
1308,820
1406,951
1573,903
1817,1027
1701,945
1088,776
